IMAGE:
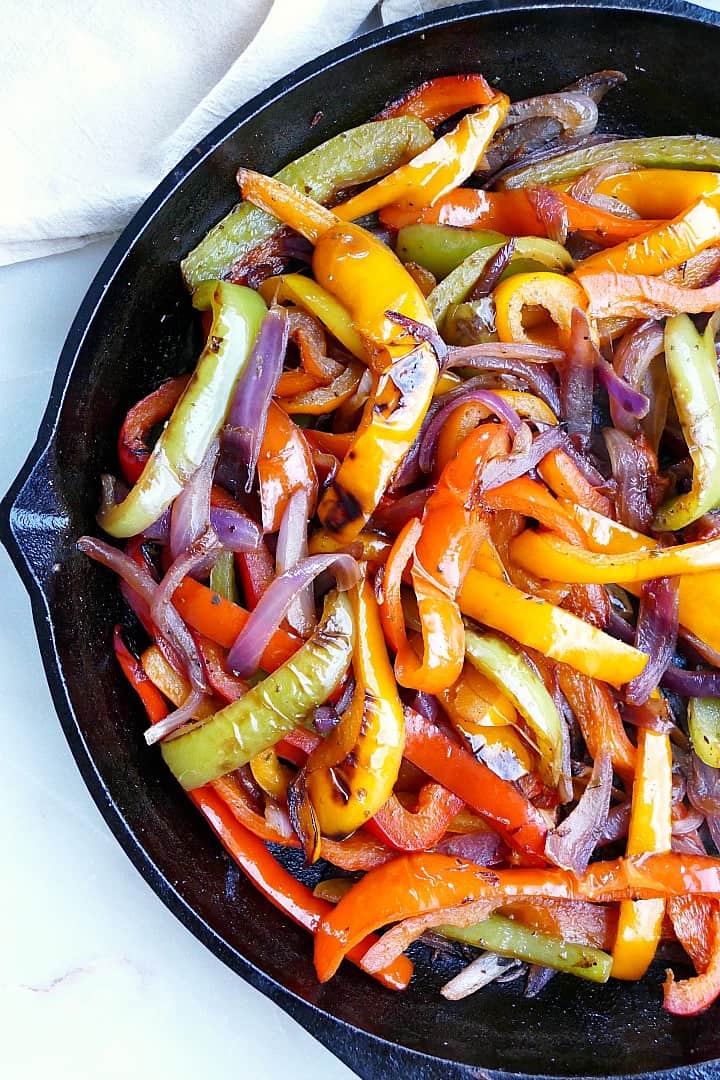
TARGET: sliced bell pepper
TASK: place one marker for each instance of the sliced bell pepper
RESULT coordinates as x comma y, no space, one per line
221,621
528,497
563,477
420,828
704,729
133,449
198,415
548,556
662,248
658,152
270,774
613,296
273,707
388,587
599,719
442,248
169,682
301,290
512,213
659,193
552,631
222,577
700,917
349,794
284,467
437,169
152,699
320,400
280,887
507,937
640,921
497,801
500,663
557,296
352,157
693,375
439,99
413,885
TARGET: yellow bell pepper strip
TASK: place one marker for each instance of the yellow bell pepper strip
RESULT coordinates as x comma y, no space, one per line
699,593
368,279
693,375
656,152
349,794
271,775
500,663
414,885
436,170
198,415
307,294
352,157
556,295
174,686
508,937
452,530
550,557
272,708
439,99
662,248
659,193
650,829
704,729
552,631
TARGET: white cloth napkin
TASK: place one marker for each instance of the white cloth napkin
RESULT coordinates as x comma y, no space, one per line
101,99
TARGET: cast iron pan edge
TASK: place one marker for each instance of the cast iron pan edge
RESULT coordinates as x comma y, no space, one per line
27,530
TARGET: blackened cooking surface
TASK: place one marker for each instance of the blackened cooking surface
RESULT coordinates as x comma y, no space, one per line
135,328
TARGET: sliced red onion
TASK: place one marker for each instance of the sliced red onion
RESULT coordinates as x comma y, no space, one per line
629,468
633,356
689,822
227,686
533,375
617,824
501,470
159,531
463,395
394,516
511,143
325,718
648,717
421,332
656,635
586,185
627,398
346,695
244,656
691,683
291,548
408,471
235,530
713,824
597,84
620,628
484,848
537,979
703,787
577,378
493,270
191,510
577,112
535,155
690,844
245,426
591,474
140,581
486,969
175,720
551,212
572,843
427,705
463,356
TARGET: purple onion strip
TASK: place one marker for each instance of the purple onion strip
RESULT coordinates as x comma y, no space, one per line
455,399
628,399
656,635
501,470
291,548
190,516
572,843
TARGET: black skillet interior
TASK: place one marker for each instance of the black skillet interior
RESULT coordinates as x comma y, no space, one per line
135,328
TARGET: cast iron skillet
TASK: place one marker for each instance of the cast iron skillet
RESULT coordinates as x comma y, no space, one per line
136,327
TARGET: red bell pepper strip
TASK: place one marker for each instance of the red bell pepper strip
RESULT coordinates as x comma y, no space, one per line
515,818
152,699
438,99
692,996
418,829
284,467
599,719
280,887
133,449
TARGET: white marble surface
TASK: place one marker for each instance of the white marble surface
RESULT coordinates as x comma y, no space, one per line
98,980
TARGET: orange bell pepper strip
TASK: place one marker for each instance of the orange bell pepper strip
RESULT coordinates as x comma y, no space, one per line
418,829
435,171
368,280
347,795
660,193
284,467
563,477
496,800
419,884
221,621
388,588
699,593
528,497
662,248
552,631
548,556
599,719
319,400
439,99
637,296
512,213
555,295
327,442
453,525
277,885
640,921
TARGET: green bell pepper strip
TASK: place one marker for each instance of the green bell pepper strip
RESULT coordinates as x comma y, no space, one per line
276,706
460,281
506,937
659,152
198,415
440,248
352,157
693,376
222,577
704,729
505,667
